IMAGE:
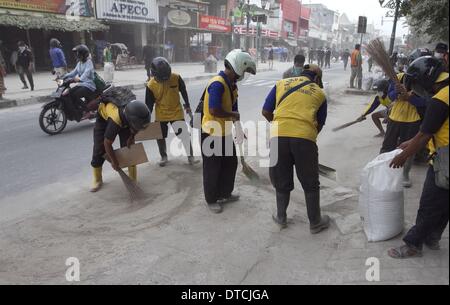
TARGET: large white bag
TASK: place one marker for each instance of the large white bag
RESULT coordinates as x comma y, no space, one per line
108,72
381,200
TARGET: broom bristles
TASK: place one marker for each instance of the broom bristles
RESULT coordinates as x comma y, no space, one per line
379,54
133,189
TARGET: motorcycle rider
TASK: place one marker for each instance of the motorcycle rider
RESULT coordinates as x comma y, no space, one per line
83,75
119,114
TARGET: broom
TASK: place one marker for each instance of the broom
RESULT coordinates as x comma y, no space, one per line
246,169
136,193
379,54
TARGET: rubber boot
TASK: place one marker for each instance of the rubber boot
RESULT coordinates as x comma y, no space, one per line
282,204
98,180
406,169
132,173
317,223
162,151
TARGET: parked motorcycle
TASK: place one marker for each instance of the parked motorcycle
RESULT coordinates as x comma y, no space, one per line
55,114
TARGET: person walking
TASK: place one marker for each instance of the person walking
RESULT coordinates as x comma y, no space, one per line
148,55
356,66
57,57
220,112
297,69
297,109
428,79
370,63
2,73
24,65
328,58
271,58
311,55
345,55
163,94
320,57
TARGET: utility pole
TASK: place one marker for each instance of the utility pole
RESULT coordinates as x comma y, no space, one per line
247,37
394,28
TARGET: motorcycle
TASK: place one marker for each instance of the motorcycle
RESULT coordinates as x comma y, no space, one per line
54,115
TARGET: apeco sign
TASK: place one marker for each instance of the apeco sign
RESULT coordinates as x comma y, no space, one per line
143,11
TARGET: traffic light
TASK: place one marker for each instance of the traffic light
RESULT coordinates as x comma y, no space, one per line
362,25
260,18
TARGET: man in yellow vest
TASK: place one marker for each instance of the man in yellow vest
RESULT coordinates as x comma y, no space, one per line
297,109
163,93
119,114
427,78
220,112
404,122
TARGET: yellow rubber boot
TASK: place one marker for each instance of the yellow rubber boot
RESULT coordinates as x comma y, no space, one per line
132,173
98,180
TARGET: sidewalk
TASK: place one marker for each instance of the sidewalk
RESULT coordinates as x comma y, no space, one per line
134,78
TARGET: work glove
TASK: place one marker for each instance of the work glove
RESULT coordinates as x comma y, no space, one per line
239,134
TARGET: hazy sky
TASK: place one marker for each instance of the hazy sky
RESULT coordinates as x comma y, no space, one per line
369,8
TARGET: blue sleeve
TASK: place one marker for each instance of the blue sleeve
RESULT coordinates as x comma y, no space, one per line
418,101
271,100
215,91
322,113
373,106
73,73
62,58
88,74
392,93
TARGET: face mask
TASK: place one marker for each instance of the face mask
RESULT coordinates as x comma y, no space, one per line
21,49
297,71
380,94
438,55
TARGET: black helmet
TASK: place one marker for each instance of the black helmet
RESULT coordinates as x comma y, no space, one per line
161,69
381,85
82,52
418,53
54,43
422,74
137,115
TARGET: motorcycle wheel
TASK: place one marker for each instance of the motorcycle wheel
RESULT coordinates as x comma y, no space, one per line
52,120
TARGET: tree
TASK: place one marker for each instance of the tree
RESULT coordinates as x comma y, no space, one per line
428,18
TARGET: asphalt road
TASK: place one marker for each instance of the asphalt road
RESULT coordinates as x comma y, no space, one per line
29,158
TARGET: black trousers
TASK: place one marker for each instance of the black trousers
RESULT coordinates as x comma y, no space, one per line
219,170
397,133
181,131
432,216
99,138
25,71
290,152
77,106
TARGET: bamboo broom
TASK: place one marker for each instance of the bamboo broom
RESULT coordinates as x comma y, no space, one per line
379,54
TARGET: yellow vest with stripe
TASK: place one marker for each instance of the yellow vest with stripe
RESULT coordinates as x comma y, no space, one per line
213,125
441,138
296,116
110,111
403,111
383,101
167,99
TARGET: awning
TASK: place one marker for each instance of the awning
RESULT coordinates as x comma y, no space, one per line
52,22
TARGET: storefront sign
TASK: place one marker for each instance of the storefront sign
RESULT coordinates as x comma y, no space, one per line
142,11
64,7
177,18
214,23
242,30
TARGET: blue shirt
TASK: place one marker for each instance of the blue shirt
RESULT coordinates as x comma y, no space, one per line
216,90
271,101
84,70
415,100
58,58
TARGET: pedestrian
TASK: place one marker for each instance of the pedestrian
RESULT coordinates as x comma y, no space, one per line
320,57
370,63
345,55
404,121
107,54
441,53
394,59
2,73
381,98
311,56
328,58
163,94
427,78
24,65
297,69
297,117
116,117
220,111
83,76
57,57
271,58
356,66
148,55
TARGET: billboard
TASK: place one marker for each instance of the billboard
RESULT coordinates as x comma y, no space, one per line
214,23
63,7
177,18
140,11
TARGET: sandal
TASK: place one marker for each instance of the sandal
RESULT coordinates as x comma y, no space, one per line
404,251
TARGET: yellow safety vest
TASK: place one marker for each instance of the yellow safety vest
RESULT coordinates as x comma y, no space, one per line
383,101
216,126
167,99
110,111
296,116
441,138
403,111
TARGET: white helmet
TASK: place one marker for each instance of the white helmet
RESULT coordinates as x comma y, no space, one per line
240,62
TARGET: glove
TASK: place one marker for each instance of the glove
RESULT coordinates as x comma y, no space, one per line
239,134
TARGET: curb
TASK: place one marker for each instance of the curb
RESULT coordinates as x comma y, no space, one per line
359,92
42,99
